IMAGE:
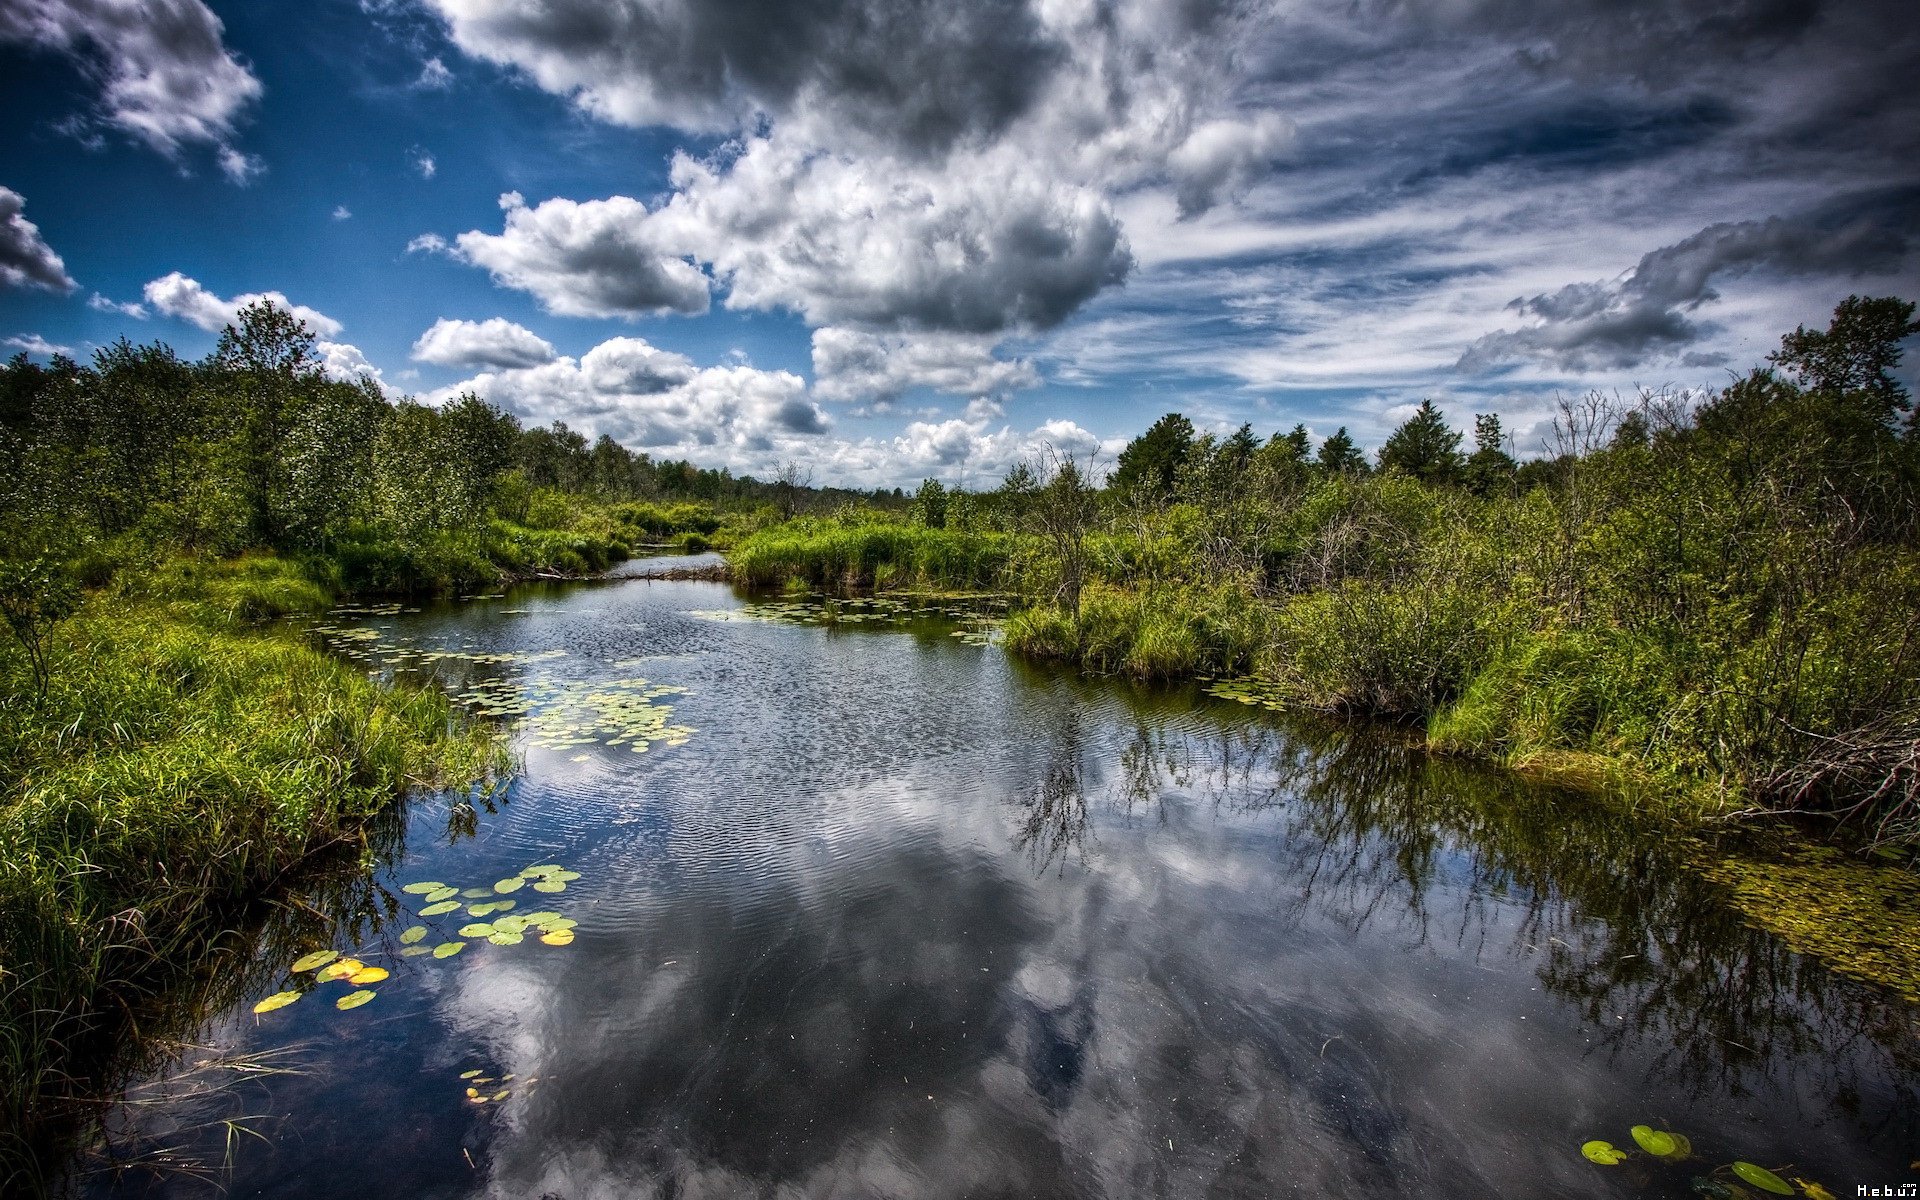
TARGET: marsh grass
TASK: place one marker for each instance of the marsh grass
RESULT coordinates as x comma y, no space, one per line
183,760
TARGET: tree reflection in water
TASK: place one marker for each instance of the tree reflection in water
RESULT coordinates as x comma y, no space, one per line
1646,951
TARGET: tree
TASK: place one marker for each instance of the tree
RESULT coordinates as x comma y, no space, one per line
1151,465
1063,511
930,504
788,483
267,361
1339,456
1855,355
35,594
1490,469
1423,447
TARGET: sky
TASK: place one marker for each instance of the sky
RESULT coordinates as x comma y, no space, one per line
898,239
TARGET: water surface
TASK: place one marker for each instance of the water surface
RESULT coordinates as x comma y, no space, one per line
900,916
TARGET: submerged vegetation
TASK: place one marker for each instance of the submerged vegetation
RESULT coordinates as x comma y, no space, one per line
1710,595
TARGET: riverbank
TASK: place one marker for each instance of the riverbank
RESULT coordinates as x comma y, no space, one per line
182,759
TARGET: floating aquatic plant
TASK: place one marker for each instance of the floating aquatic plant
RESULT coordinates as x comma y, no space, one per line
353,999
277,1000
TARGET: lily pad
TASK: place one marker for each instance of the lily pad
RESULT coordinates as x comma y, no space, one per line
421,889
477,893
559,937
412,934
549,885
563,876
511,884
479,910
448,949
1604,1153
277,1000
319,958
470,1074
1657,1142
367,975
545,869
353,999
511,925
500,1095
339,969
477,929
502,938
559,924
1762,1178
542,917
441,893
434,910
415,951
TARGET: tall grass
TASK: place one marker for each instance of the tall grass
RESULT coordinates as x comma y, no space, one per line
834,555
181,761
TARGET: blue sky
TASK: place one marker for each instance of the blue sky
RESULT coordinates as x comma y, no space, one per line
893,240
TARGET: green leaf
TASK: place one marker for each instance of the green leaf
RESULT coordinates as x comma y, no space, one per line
415,951
477,893
1762,1178
512,884
502,938
1604,1153
476,930
1656,1142
547,869
549,885
319,958
409,936
441,893
563,876
354,999
448,949
277,1000
473,1074
434,910
421,889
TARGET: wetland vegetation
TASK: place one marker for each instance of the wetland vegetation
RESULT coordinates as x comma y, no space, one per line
1705,605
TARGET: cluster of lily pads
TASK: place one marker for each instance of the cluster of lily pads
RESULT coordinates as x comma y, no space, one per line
439,900
479,1090
329,966
1242,691
1722,1183
562,716
976,627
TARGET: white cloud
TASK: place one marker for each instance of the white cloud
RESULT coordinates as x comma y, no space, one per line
849,364
165,76
341,213
34,344
239,168
26,261
175,295
434,76
99,303
495,342
423,163
655,399
427,243
345,362
601,258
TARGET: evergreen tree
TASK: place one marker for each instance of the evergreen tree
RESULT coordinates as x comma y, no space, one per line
1424,447
1339,456
1151,465
1490,469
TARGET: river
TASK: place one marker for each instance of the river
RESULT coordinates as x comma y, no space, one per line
866,908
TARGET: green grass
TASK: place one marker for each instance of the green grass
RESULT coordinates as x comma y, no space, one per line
865,555
182,761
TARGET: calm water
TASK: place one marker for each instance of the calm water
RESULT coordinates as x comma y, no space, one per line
902,917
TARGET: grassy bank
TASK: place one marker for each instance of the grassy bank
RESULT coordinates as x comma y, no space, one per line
180,760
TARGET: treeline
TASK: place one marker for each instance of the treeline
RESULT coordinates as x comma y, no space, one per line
255,447
1718,592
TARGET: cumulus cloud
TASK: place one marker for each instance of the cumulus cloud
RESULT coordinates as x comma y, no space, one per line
26,261
918,72
423,163
175,295
434,76
1626,321
33,343
647,397
165,76
601,258
345,362
129,308
849,364
495,342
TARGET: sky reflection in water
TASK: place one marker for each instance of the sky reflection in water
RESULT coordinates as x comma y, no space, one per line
903,917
